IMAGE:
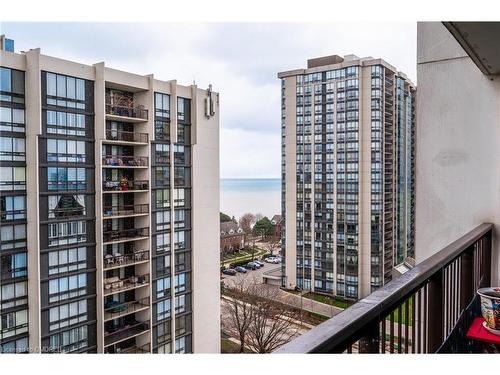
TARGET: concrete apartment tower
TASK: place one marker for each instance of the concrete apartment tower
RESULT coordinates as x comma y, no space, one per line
348,153
109,189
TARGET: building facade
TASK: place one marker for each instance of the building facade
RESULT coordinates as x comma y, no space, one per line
109,191
348,133
232,237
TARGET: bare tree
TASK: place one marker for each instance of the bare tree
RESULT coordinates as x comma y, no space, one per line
272,322
258,315
237,309
246,222
272,245
258,217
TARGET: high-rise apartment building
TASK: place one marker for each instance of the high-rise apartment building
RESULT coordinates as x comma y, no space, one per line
109,185
348,132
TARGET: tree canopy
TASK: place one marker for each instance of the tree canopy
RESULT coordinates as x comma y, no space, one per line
225,218
263,227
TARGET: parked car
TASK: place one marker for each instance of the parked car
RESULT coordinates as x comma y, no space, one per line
259,263
273,260
252,266
240,269
229,271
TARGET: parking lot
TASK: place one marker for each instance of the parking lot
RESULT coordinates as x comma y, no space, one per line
250,275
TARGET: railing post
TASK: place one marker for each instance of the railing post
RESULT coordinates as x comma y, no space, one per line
466,278
435,312
370,342
486,281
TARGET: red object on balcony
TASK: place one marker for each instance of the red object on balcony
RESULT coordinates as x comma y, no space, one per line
479,333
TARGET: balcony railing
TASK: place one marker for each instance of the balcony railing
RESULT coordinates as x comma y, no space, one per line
114,285
114,309
122,333
124,234
119,260
125,185
138,113
124,161
120,135
125,210
426,310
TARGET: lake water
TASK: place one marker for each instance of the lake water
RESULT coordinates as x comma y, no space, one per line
241,195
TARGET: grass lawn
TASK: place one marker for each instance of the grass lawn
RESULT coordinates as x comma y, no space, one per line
334,301
248,257
404,319
229,347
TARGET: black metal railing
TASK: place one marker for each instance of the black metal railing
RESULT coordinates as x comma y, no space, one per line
420,312
122,260
124,210
123,332
124,234
139,113
124,161
115,309
125,185
121,135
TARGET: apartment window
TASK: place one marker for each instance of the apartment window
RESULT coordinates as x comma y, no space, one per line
181,262
12,295
65,123
179,198
162,105
67,260
68,314
66,178
162,265
60,87
180,345
12,178
162,130
13,266
180,282
66,233
180,217
13,207
15,346
162,242
12,236
12,119
12,149
162,155
162,198
163,287
163,333
180,304
63,206
13,323
163,309
65,151
162,220
183,109
12,82
67,287
179,240
69,341
162,176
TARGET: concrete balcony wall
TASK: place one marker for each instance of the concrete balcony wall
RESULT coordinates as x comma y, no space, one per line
458,145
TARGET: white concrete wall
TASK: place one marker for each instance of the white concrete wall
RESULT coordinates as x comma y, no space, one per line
206,227
458,145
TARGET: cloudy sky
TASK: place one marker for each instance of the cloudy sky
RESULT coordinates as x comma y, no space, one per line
240,60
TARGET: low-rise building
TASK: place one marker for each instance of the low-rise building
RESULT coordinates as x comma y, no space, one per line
232,237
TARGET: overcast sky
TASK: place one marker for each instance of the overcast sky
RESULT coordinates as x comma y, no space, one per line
240,60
